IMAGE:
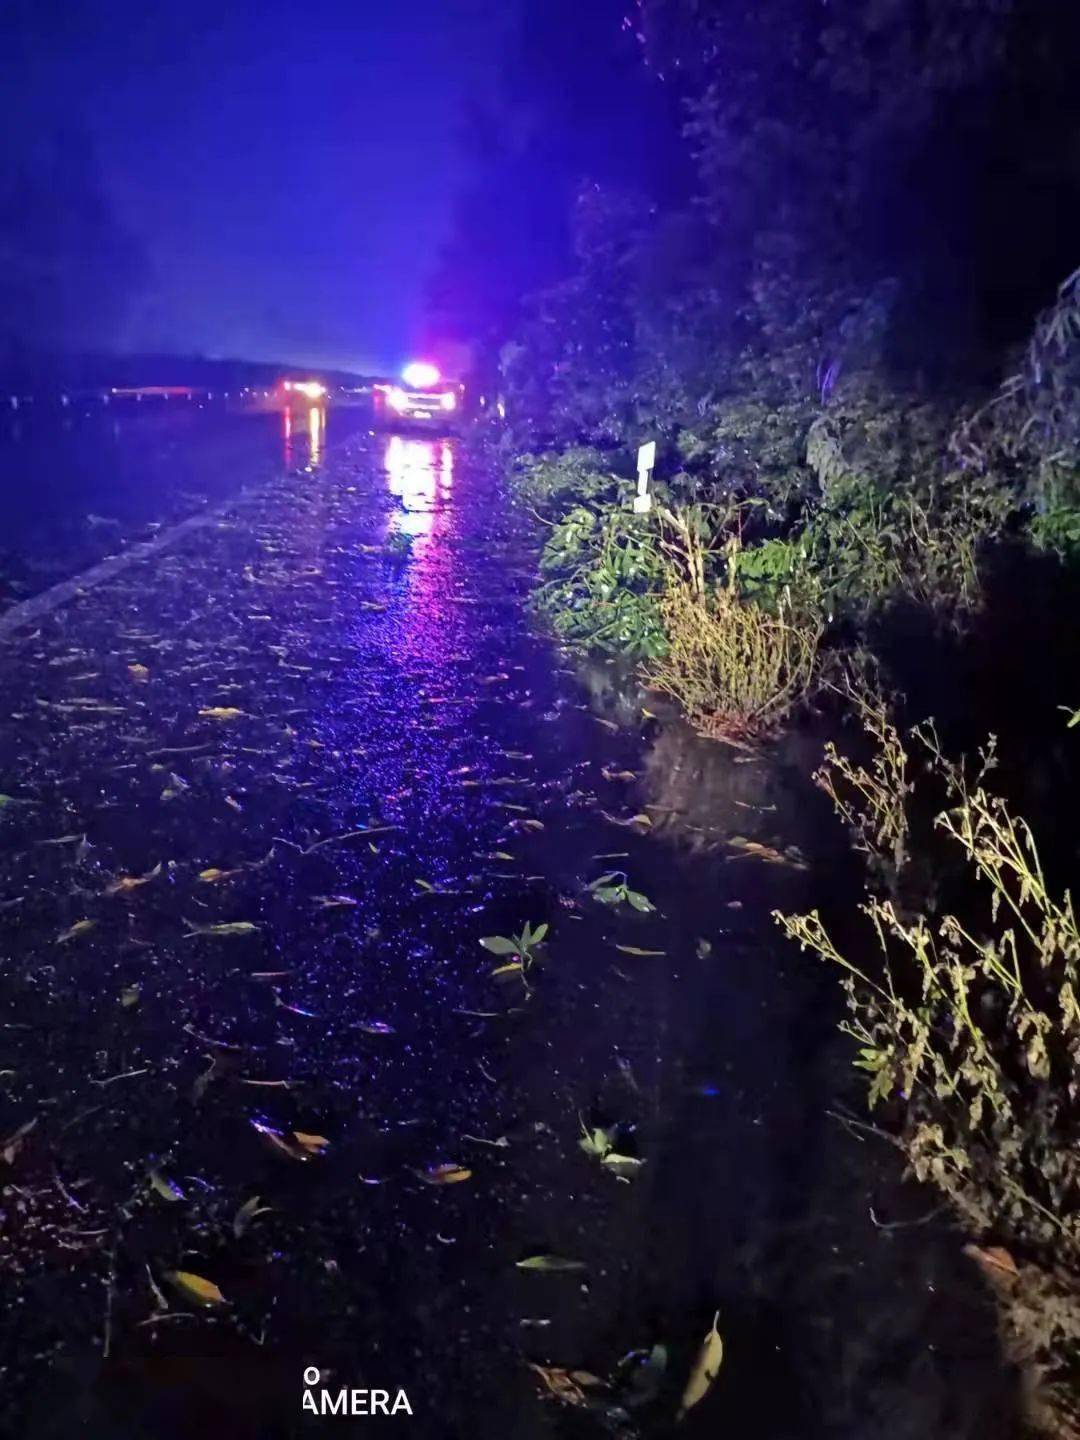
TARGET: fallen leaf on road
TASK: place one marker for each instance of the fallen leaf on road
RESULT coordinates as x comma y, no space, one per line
165,1187
79,928
292,1146
313,1144
444,1174
194,1287
755,850
625,1166
125,883
231,927
706,1368
549,1262
567,1386
9,1148
633,822
247,1212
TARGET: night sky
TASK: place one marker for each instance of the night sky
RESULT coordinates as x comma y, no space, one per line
276,176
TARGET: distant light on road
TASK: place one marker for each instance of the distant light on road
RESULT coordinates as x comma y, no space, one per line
449,400
310,389
397,399
421,374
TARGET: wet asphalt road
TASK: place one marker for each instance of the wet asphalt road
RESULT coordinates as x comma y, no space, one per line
323,724
78,483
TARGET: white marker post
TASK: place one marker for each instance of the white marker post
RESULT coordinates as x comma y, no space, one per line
646,461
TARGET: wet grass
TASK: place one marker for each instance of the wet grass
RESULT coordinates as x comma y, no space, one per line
270,792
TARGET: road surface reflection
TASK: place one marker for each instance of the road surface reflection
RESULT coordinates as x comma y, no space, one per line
420,474
316,433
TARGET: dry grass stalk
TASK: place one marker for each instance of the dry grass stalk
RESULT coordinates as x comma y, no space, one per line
736,670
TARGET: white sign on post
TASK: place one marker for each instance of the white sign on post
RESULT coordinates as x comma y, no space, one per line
646,460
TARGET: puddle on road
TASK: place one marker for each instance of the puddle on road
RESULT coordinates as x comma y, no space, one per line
269,792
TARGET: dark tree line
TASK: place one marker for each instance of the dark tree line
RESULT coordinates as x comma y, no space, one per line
658,179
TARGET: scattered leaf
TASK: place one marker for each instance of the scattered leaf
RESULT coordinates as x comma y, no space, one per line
81,927
231,927
597,1141
165,1187
9,1148
634,822
295,1009
549,1262
706,1368
298,1145
246,1214
568,1386
313,1144
626,1167
755,850
213,875
194,1287
499,945
448,1174
124,883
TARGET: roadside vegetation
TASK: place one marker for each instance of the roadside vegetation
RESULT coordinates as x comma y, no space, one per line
962,1002
866,503
742,578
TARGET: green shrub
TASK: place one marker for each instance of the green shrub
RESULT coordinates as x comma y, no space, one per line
601,572
554,480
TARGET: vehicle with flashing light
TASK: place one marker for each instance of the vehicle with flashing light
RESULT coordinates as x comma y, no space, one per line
297,392
422,398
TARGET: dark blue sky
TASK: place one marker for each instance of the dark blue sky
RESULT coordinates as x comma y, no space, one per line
286,168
